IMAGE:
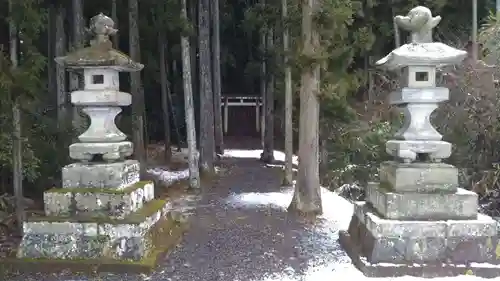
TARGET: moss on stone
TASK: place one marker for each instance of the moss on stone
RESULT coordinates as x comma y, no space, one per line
134,218
165,235
127,190
388,187
385,186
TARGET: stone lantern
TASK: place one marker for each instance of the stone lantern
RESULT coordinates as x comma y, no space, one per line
418,215
103,210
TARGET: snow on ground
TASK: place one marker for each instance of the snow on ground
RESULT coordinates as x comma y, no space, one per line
240,153
168,177
337,212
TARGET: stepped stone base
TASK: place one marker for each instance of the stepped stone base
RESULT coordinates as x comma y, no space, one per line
164,236
98,202
382,247
419,177
79,237
101,175
460,205
425,270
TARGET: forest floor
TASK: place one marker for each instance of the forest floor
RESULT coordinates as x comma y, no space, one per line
240,231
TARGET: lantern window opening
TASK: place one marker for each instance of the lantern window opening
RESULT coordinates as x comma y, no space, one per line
421,76
98,79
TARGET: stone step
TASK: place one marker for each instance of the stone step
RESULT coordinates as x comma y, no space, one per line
118,175
391,241
98,202
74,237
462,204
419,177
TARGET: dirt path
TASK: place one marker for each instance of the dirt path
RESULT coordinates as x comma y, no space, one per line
230,243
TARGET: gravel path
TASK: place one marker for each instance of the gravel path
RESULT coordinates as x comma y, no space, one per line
230,243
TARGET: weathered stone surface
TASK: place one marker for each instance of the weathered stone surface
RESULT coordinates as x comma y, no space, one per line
125,238
418,269
134,224
407,222
419,177
118,175
102,125
404,242
98,202
409,149
422,206
419,95
108,151
399,243
62,246
381,227
131,248
58,203
100,54
472,241
425,54
103,97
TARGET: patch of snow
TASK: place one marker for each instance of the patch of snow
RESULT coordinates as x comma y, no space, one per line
240,153
166,176
280,166
330,262
277,200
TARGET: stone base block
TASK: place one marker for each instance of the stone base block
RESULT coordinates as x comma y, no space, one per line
419,177
164,236
124,239
461,205
98,202
410,149
109,151
118,175
420,270
62,246
406,242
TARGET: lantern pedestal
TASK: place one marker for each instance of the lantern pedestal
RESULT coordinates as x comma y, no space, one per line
103,217
417,220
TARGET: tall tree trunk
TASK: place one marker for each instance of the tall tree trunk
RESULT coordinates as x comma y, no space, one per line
114,16
263,72
193,16
323,156
288,103
79,119
51,64
207,143
194,175
62,93
475,53
219,137
307,195
268,152
17,158
138,109
116,44
162,45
